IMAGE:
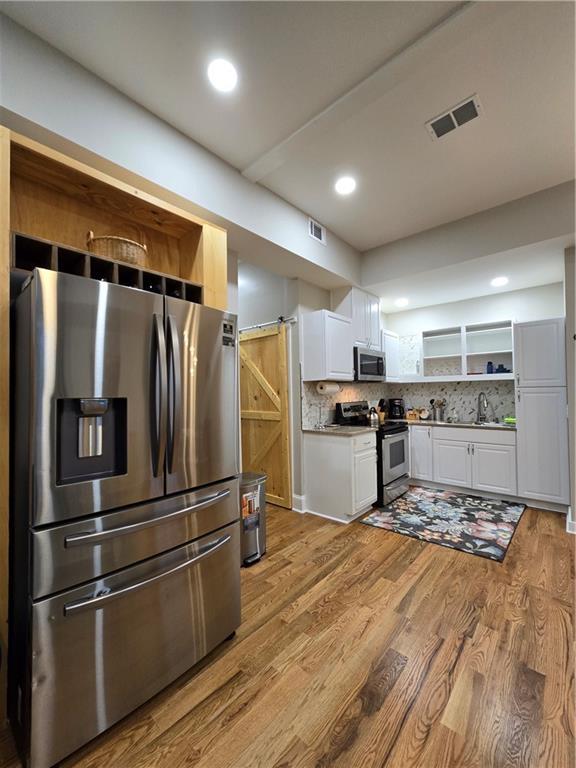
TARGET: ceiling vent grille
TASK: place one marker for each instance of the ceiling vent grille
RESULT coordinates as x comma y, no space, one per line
457,116
317,231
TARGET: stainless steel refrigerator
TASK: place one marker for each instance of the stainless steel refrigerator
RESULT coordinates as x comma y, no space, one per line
125,564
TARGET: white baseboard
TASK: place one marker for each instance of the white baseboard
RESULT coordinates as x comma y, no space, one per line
570,521
298,503
339,519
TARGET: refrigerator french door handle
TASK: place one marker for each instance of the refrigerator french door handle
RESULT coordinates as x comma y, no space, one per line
174,391
95,537
159,396
93,603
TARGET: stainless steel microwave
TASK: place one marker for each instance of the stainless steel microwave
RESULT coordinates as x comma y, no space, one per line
369,365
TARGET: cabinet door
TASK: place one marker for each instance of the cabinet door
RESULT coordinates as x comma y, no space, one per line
339,348
360,317
540,353
421,453
374,304
452,462
365,482
494,468
542,444
410,348
391,351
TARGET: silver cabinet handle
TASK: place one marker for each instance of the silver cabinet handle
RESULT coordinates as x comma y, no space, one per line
94,603
174,391
159,396
518,378
472,449
95,537
518,396
468,449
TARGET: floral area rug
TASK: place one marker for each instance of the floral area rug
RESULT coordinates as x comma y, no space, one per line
472,524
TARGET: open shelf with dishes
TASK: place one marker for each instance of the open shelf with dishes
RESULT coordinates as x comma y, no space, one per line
489,349
466,353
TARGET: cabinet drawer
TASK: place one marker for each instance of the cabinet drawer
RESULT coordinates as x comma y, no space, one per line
88,549
475,435
362,442
106,647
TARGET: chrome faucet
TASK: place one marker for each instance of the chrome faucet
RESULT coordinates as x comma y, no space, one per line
482,412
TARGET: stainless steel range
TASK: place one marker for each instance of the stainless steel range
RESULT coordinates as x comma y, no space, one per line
126,558
392,449
393,461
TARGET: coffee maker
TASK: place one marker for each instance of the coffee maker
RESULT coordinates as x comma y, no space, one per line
396,408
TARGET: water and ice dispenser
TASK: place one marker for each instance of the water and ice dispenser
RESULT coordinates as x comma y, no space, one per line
91,438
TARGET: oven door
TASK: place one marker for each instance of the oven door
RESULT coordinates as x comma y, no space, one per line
394,456
369,365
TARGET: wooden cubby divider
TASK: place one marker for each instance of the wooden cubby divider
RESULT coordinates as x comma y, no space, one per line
30,252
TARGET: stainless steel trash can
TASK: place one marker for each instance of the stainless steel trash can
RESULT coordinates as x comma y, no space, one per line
253,512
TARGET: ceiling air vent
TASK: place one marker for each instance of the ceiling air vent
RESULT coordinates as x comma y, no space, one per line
455,117
317,231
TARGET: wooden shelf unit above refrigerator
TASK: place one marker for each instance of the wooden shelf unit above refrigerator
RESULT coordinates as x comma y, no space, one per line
49,196
58,199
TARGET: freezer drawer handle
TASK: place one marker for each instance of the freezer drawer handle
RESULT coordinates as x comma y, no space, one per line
99,601
95,537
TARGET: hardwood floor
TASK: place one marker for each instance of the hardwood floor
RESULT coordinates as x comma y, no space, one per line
361,648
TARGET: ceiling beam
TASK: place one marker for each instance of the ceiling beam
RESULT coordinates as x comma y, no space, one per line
413,56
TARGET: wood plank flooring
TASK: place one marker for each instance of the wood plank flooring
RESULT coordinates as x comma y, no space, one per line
361,648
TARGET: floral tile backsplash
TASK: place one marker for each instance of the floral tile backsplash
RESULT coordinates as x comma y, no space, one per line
460,396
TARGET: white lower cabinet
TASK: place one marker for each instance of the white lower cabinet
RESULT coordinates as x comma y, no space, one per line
364,480
452,463
543,463
480,459
340,480
421,453
494,468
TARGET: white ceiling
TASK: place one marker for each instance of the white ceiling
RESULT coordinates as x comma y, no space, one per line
297,119
538,264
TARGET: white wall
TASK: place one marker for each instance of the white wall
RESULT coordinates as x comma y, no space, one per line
262,295
519,306
535,218
49,97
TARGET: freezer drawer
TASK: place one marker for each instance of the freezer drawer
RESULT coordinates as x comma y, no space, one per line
101,650
76,552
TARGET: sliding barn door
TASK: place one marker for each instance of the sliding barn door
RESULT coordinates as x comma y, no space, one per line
264,404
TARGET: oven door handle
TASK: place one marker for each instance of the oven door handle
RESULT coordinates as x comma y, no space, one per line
93,603
95,537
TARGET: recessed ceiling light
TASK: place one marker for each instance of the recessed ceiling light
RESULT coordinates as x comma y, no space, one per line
345,185
498,282
402,302
222,74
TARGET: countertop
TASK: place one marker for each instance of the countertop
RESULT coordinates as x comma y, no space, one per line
340,431
464,424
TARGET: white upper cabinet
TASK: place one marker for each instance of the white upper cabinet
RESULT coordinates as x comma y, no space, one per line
327,347
540,353
364,311
391,349
542,443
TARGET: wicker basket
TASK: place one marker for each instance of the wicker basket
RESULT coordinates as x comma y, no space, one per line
119,248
